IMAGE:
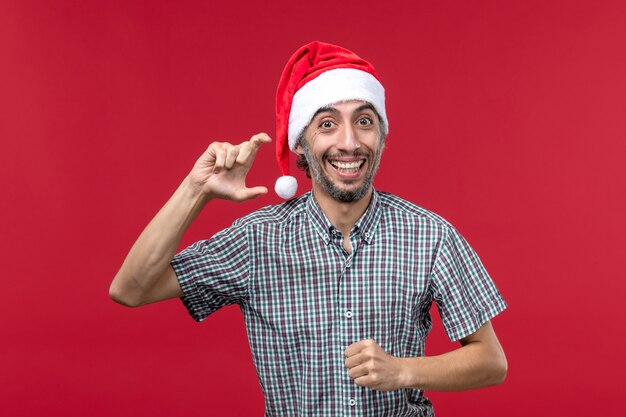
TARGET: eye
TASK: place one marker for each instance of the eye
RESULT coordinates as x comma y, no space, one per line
365,121
326,124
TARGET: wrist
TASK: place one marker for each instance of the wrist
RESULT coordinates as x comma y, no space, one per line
194,191
410,373
194,194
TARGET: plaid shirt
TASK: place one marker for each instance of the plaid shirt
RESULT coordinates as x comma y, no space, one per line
305,299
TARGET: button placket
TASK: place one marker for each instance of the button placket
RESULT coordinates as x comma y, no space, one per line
345,316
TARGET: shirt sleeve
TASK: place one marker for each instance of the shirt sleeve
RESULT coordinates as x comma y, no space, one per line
213,273
463,291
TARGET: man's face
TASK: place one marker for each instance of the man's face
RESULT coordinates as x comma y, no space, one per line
342,145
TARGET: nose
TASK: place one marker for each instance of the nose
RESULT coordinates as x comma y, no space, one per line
348,140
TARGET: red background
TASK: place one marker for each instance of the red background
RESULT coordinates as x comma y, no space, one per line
507,118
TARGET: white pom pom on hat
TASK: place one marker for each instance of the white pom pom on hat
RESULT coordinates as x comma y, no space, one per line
317,75
286,186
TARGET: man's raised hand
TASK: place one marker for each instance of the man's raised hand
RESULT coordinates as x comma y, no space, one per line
221,170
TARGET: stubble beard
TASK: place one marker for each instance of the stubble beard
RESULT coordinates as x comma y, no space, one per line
343,196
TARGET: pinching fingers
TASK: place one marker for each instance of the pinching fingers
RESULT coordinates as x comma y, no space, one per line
249,148
259,139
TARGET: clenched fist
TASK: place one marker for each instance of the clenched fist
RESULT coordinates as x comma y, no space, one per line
370,366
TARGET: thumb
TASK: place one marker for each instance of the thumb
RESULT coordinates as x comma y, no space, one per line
254,192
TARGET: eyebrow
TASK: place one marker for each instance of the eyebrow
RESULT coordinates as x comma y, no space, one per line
330,109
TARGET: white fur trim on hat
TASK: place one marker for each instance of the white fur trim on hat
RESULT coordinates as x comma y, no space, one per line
330,87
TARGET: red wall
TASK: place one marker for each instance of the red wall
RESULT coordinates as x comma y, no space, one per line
507,118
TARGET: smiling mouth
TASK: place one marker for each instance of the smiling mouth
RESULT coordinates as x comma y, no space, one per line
347,167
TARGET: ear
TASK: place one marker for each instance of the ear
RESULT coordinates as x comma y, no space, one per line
298,149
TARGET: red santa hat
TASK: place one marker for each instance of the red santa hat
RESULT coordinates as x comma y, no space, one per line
318,75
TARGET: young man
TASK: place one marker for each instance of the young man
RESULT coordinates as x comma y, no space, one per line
335,285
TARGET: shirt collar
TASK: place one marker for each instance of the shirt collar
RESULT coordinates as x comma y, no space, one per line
366,225
369,220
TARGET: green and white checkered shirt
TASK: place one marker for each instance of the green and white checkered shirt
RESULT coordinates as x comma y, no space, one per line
305,299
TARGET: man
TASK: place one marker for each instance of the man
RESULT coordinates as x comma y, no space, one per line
335,285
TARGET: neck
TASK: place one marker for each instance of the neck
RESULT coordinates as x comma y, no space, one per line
342,215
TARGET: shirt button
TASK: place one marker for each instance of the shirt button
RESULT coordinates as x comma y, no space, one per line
348,314
352,402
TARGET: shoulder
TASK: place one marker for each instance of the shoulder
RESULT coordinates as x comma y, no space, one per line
274,214
392,205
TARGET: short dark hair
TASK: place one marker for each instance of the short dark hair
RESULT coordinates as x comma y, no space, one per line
301,162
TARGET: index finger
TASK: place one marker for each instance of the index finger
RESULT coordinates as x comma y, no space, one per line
250,147
259,139
354,349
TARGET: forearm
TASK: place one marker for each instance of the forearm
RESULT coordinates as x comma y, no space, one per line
462,369
476,364
149,259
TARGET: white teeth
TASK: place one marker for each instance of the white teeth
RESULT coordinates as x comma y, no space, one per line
350,166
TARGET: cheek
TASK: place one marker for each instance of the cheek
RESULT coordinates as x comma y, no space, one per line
370,138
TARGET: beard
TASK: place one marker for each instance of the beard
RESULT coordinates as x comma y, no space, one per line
341,195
